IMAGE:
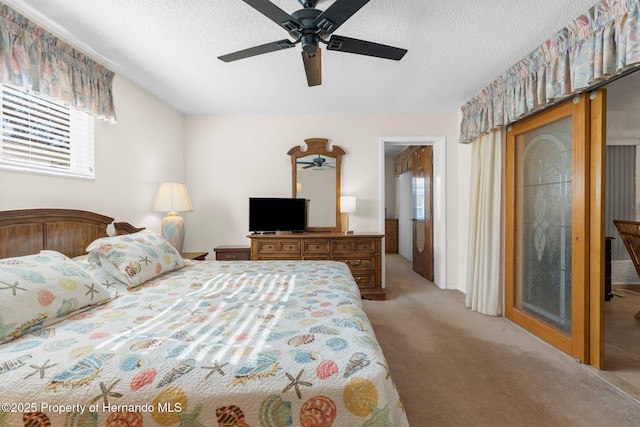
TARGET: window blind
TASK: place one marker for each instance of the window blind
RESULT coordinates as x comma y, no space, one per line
44,136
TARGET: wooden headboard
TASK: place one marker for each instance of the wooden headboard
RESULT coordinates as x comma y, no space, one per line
28,231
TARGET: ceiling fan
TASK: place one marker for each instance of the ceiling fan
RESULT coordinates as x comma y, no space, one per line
317,162
310,27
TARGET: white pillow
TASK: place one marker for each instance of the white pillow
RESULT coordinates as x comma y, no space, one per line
39,290
132,259
99,274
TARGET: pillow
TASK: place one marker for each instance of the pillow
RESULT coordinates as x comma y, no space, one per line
39,290
132,259
99,274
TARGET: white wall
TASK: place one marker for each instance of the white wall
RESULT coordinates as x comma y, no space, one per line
133,156
390,182
234,157
231,158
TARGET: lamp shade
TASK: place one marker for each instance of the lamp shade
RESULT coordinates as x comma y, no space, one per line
172,197
347,204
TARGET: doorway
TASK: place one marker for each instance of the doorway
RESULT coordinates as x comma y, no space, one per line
387,144
621,329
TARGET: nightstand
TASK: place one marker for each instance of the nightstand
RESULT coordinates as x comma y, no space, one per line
196,256
233,253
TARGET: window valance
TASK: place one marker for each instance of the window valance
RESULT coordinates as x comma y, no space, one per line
35,59
596,46
402,160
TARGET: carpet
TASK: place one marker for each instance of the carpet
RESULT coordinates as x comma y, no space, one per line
455,367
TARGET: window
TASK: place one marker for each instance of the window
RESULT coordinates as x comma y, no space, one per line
40,135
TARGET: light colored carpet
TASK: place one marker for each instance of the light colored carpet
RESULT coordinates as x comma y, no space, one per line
622,339
455,367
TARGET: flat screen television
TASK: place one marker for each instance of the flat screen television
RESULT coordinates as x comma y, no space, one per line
271,214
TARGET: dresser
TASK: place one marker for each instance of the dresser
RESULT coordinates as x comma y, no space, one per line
391,236
360,251
232,253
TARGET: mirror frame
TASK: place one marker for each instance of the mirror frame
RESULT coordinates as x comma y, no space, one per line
319,146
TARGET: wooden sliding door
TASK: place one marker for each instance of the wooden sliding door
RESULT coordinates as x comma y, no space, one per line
552,200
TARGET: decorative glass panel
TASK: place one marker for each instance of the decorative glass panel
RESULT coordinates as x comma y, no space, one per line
419,202
543,224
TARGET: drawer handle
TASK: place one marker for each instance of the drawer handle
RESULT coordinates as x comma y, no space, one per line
232,257
353,263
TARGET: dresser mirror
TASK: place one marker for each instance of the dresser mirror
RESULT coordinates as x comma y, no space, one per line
316,177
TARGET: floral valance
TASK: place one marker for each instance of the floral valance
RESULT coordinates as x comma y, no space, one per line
402,160
35,59
598,45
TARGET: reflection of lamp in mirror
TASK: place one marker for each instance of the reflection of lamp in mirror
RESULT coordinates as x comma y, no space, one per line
173,198
347,205
299,188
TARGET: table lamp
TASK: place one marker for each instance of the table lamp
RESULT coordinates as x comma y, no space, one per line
347,205
173,198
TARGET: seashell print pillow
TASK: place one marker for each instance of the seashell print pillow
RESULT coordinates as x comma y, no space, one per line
99,274
39,290
132,259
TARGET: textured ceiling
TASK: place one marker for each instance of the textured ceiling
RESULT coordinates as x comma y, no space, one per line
170,48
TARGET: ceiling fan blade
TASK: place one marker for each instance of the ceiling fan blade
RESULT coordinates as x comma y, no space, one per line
362,47
257,50
276,14
329,20
307,167
313,67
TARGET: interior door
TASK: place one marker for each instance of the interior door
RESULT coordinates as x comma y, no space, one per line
422,211
552,195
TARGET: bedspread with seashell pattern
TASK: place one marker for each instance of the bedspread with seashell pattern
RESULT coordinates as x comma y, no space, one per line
242,343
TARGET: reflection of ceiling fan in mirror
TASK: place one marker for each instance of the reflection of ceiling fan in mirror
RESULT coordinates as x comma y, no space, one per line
317,163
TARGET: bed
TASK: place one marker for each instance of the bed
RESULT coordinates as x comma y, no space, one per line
130,339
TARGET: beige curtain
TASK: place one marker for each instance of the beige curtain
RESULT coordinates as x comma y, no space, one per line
484,286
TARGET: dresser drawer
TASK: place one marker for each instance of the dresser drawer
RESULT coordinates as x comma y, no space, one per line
359,251
365,280
315,247
358,263
232,253
284,247
354,245
232,256
316,257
